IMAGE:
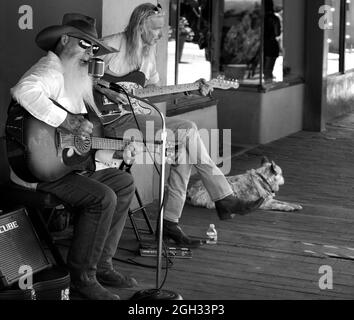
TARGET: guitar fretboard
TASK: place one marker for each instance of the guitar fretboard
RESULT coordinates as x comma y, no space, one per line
98,143
158,91
108,144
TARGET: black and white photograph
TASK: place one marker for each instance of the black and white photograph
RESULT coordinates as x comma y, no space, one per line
176,155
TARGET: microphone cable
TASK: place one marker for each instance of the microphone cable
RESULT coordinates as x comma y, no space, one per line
121,89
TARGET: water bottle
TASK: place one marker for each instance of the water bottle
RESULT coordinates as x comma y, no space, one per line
212,234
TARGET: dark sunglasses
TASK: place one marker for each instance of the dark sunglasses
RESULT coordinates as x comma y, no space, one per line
158,8
84,44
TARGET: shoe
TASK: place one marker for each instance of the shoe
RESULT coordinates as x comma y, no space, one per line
88,288
229,206
171,230
113,278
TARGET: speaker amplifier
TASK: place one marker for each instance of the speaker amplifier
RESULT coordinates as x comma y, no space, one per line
19,246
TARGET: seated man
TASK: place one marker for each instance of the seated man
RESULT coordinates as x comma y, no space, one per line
136,52
102,198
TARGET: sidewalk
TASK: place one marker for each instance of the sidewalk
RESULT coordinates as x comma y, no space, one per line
275,255
318,167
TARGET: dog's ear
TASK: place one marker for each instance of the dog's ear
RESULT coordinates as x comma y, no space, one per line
264,161
273,167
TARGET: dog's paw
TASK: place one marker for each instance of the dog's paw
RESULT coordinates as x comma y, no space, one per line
290,208
296,207
275,205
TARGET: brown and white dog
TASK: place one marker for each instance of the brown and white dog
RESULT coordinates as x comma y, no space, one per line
250,186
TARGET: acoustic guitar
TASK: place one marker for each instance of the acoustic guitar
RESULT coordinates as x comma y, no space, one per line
51,153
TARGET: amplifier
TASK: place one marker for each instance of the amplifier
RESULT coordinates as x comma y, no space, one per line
19,247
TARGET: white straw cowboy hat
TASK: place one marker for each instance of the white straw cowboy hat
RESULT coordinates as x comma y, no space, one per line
76,25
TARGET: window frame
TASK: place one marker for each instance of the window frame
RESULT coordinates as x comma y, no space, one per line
342,38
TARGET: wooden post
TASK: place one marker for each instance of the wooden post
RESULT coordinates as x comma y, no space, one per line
316,53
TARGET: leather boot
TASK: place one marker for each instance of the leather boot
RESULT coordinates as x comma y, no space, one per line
171,230
228,207
114,278
87,286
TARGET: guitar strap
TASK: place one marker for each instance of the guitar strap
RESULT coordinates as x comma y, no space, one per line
90,110
137,77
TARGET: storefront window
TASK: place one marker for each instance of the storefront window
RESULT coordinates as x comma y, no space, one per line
333,38
244,42
257,42
189,37
240,51
349,35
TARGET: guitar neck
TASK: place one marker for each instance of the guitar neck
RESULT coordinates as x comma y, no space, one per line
67,140
108,144
114,144
159,91
138,79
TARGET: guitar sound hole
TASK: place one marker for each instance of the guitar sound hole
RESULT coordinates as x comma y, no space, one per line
83,146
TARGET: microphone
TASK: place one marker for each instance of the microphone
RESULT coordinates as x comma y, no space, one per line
96,70
96,67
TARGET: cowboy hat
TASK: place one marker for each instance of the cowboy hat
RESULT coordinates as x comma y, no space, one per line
76,25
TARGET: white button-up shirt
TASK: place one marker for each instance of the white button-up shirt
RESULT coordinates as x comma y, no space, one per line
42,82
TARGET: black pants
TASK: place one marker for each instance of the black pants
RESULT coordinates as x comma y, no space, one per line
269,63
103,199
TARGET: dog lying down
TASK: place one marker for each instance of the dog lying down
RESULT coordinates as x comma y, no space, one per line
250,186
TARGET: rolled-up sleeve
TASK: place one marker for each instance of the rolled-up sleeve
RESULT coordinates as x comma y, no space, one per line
34,90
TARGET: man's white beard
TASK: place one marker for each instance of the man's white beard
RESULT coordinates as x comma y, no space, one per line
78,84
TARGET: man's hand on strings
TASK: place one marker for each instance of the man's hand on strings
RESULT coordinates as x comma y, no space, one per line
131,151
204,88
79,126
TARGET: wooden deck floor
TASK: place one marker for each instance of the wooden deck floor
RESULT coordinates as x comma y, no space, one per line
266,255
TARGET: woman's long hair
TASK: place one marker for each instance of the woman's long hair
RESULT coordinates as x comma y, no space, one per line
136,50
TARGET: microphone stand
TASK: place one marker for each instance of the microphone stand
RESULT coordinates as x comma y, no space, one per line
157,293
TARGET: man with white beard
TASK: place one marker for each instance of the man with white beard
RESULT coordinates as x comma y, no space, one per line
102,198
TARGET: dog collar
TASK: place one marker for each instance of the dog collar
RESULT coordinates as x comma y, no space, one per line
266,181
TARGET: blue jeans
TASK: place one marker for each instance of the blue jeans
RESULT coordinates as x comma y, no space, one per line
102,199
185,134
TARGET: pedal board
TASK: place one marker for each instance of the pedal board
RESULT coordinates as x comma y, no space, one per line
150,250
